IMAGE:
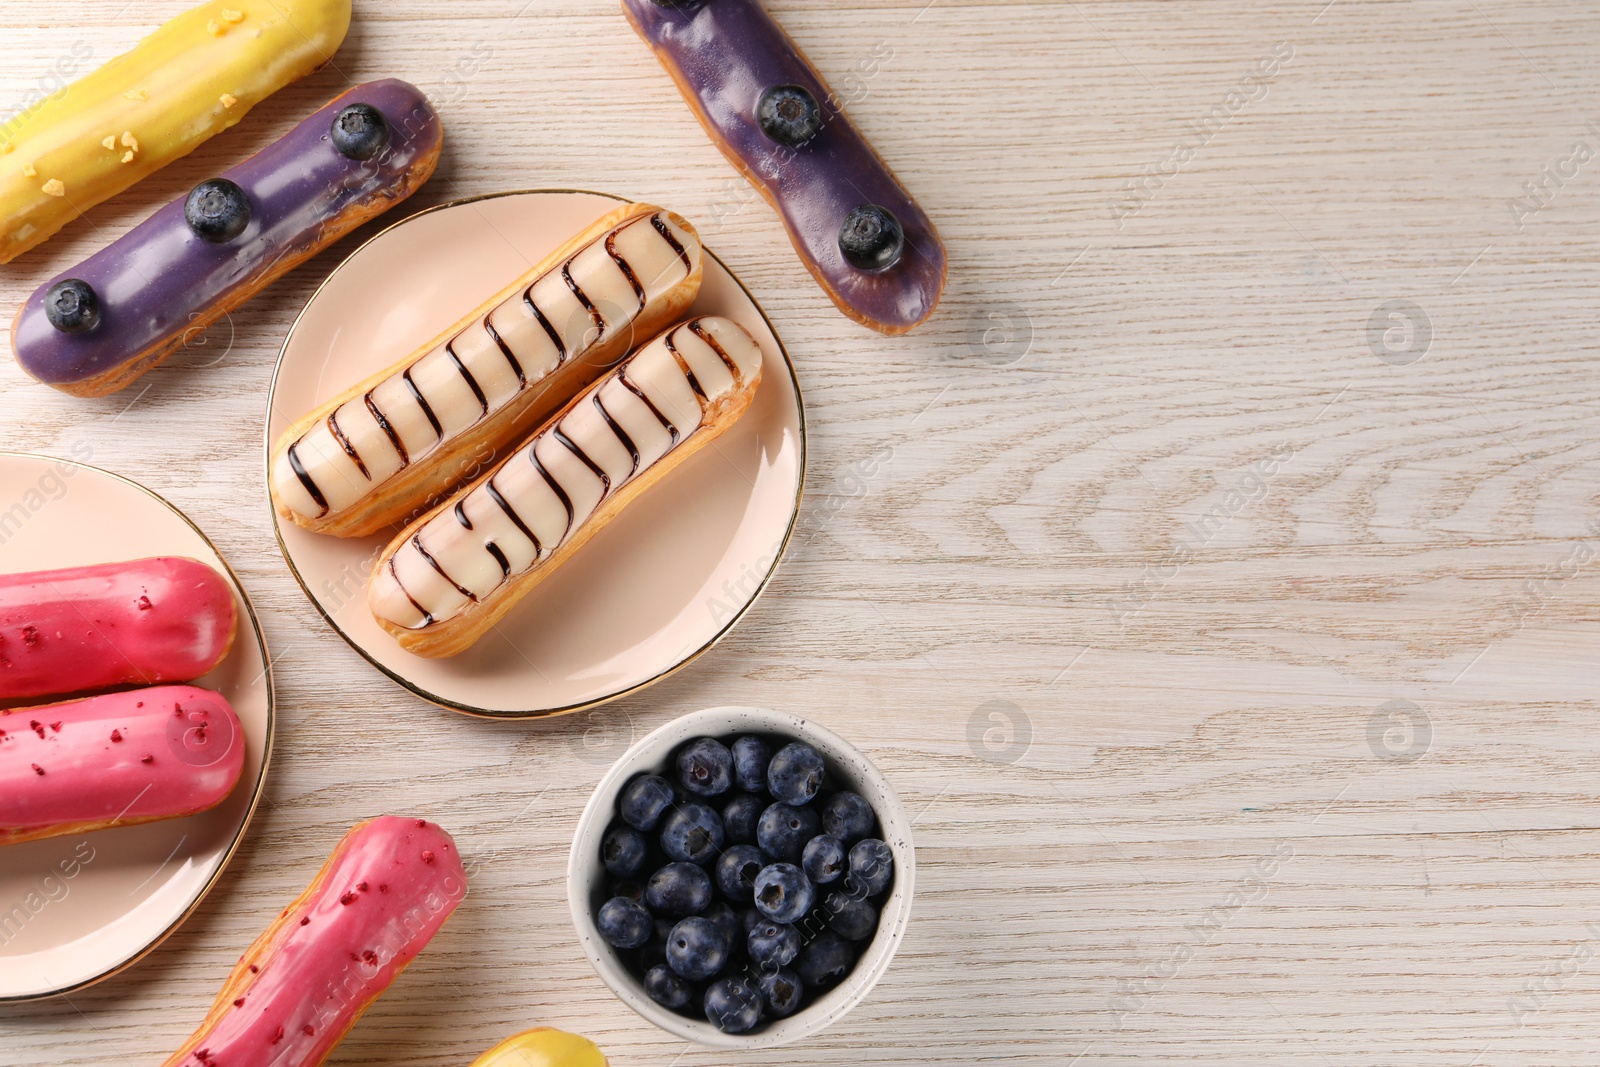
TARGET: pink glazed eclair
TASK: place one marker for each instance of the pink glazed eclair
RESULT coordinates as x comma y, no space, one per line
115,760
143,622
387,889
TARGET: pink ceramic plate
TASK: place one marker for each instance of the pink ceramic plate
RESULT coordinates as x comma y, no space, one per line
79,908
654,589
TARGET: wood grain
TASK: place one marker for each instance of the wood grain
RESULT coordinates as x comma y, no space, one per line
1239,659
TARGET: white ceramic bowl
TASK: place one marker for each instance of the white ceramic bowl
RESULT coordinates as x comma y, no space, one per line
849,769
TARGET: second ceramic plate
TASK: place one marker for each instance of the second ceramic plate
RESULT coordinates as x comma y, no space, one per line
84,906
654,589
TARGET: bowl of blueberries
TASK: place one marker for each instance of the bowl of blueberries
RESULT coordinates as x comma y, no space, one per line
741,877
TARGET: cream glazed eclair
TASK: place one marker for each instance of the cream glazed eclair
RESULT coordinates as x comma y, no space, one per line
389,447
452,574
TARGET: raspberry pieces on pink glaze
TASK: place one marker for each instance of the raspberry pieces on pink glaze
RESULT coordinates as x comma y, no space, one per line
115,760
387,889
142,622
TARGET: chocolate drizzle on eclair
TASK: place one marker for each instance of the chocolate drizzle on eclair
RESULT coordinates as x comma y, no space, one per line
567,443
671,239
422,402
344,443
622,435
544,321
625,267
388,430
555,487
595,317
427,558
306,480
511,513
622,379
427,617
472,383
683,365
505,350
697,328
489,546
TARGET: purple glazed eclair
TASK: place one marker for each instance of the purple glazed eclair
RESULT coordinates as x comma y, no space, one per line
857,229
94,329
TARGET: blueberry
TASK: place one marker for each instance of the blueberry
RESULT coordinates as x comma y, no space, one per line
663,931
736,872
628,888
749,919
782,991
72,306
772,945
789,114
643,801
667,989
871,868
850,917
624,923
217,210
826,960
739,817
795,774
750,758
359,132
824,859
848,817
728,922
624,851
733,1005
705,767
783,892
692,832
696,948
871,238
783,831
678,889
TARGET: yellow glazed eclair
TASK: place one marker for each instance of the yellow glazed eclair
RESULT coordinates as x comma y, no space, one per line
194,77
543,1047
452,574
388,448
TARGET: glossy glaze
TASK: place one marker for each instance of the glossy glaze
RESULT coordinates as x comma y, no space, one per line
163,619
160,281
195,76
388,887
131,757
724,54
543,496
492,363
543,1047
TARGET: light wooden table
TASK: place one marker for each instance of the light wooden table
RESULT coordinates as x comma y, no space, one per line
1238,658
